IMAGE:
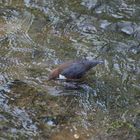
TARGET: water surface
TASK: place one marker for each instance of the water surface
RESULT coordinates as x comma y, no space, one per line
36,36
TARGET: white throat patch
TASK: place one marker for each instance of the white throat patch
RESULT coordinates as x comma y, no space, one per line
62,77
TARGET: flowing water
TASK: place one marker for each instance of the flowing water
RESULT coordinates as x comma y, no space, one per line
36,36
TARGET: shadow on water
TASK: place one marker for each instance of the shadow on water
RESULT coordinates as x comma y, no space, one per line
36,36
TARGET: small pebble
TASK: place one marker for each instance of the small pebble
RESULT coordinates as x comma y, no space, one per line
76,136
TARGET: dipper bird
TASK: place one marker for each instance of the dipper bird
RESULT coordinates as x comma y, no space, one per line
73,70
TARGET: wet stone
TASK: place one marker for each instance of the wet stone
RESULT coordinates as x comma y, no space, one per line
88,28
76,136
90,4
137,33
126,27
104,24
128,30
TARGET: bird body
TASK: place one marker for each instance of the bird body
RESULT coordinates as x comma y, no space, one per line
73,69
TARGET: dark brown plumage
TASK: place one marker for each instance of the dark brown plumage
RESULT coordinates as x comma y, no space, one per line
73,69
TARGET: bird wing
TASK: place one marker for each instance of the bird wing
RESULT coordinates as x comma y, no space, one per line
75,71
